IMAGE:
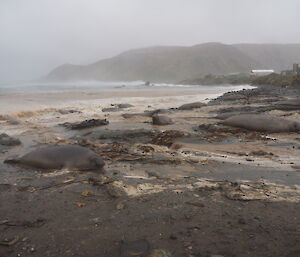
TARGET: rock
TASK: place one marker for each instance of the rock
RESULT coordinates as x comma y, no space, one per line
60,157
263,123
161,120
86,124
8,140
191,106
14,122
124,106
160,253
135,248
113,109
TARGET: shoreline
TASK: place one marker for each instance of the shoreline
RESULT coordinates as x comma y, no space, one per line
12,102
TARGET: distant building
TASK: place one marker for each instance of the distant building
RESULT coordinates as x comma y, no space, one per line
294,71
296,68
261,72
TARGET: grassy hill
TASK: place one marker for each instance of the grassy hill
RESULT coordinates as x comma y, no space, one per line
177,63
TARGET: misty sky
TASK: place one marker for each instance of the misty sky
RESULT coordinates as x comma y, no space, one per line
38,35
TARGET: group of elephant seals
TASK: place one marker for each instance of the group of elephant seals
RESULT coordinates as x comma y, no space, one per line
70,157
262,123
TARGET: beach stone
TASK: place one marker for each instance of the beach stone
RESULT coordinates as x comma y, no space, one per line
135,248
8,140
263,123
161,120
191,106
61,157
124,106
86,124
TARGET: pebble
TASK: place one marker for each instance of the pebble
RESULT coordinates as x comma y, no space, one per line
160,253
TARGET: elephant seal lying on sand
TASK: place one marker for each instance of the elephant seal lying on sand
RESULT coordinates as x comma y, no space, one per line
60,157
262,122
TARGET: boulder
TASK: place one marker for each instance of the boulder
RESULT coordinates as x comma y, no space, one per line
86,124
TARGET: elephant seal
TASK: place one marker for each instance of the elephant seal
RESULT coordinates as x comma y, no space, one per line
60,157
263,123
161,120
191,106
8,140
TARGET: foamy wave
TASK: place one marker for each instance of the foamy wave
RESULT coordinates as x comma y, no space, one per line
26,114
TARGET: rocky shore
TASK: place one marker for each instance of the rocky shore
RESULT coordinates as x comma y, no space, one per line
180,179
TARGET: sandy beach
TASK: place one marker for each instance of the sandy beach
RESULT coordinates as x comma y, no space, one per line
193,187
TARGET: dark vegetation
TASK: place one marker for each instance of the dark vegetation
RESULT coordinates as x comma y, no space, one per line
274,79
219,80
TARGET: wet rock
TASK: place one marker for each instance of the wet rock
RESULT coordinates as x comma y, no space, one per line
135,248
7,140
86,124
263,123
160,253
60,157
191,106
161,120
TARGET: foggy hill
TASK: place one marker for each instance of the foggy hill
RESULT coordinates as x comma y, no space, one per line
173,64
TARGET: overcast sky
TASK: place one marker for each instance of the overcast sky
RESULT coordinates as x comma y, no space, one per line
38,35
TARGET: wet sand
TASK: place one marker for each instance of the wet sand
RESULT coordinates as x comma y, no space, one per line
180,189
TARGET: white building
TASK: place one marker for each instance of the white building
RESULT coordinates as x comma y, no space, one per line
261,72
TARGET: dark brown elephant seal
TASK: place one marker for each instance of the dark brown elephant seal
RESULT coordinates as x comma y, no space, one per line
191,106
161,120
61,157
263,123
